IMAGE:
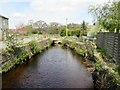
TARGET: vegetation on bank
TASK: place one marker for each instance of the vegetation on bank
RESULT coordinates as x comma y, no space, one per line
80,48
34,47
105,78
23,54
103,75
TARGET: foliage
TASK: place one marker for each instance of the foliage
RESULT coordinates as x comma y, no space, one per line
34,47
98,66
104,80
107,15
102,51
54,28
64,42
7,67
11,41
74,33
84,28
23,55
80,51
70,32
77,33
73,26
73,44
93,30
35,31
48,43
63,32
118,69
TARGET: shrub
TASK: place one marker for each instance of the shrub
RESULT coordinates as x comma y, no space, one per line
105,80
64,42
63,32
80,51
23,55
34,47
48,43
73,44
117,69
98,66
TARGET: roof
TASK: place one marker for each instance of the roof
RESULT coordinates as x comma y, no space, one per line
3,17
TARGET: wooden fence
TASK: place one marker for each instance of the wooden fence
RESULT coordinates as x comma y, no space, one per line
110,42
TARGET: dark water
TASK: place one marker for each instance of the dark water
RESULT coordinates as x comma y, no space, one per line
54,68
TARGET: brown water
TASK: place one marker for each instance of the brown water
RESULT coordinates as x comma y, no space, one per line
54,68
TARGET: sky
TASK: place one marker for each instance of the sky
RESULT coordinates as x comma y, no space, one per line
21,11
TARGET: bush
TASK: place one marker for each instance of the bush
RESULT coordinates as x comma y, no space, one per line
80,51
104,80
117,69
73,44
98,66
35,31
48,43
23,55
63,32
34,47
64,42
74,33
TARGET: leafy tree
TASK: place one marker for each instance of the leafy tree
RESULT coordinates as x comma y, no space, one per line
108,15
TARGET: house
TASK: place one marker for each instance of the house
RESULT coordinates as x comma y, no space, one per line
4,26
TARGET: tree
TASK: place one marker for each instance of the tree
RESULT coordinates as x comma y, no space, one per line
108,15
40,26
73,26
54,28
63,32
84,28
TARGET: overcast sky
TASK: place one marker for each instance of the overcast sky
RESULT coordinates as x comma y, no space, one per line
20,11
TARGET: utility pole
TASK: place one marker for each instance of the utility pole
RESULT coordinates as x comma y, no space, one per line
66,27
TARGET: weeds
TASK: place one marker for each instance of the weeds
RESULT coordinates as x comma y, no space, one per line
34,47
64,42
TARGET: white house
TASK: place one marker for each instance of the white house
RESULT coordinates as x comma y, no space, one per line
4,25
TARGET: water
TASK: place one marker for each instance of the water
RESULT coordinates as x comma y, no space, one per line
54,68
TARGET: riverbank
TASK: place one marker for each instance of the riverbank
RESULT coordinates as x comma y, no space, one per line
104,75
22,53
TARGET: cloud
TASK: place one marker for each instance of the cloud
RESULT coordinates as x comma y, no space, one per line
50,10
54,5
63,8
20,15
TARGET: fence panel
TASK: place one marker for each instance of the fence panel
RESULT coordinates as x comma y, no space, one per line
110,42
